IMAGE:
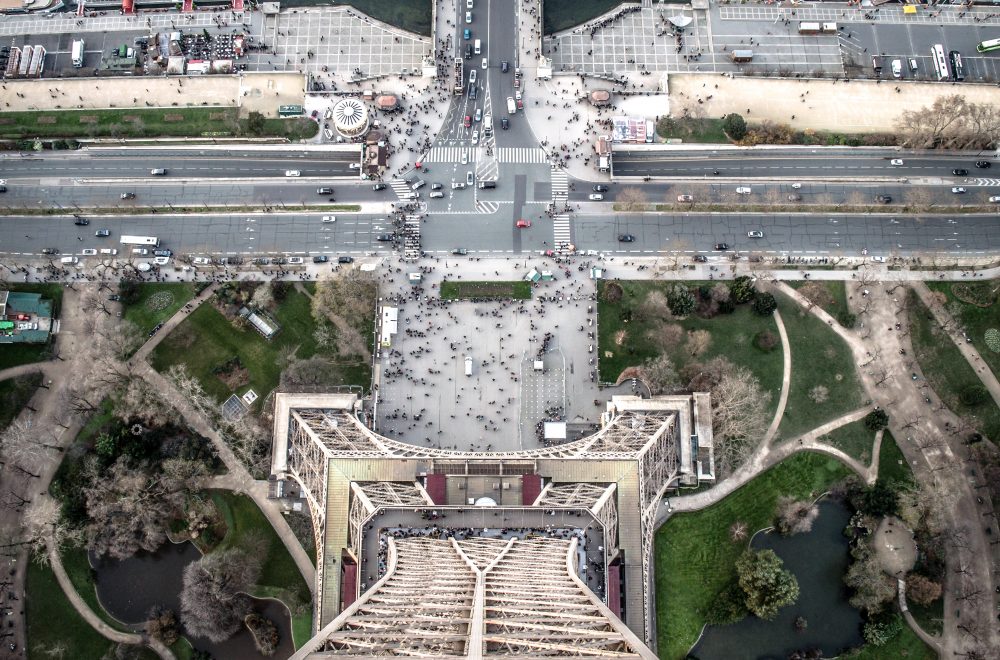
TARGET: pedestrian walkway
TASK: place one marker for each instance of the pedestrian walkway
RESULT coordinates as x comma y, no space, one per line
522,155
561,235
401,188
884,15
450,155
786,379
411,237
560,187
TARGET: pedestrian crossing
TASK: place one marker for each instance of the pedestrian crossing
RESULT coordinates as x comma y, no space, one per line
988,182
561,236
400,187
521,155
411,237
449,155
560,185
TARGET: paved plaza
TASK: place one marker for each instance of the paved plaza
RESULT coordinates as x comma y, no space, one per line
425,398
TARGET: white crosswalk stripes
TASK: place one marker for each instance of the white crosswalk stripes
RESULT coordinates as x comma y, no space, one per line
411,237
561,231
560,185
449,154
521,155
988,182
399,187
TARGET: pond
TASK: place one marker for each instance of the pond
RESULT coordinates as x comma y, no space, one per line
819,560
129,588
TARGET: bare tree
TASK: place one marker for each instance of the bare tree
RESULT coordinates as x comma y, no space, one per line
345,303
631,199
795,516
213,598
24,445
950,122
660,375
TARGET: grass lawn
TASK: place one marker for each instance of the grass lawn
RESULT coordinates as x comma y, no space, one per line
830,295
975,318
892,467
694,555
854,440
157,302
905,645
623,340
137,123
206,340
12,355
280,577
819,359
947,370
692,129
15,394
562,14
53,623
518,289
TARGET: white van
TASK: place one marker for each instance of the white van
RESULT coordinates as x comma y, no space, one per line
479,47
201,261
69,261
468,366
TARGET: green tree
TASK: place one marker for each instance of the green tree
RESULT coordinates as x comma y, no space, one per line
766,583
255,123
765,304
728,607
882,630
735,126
876,420
742,289
680,300
879,500
973,395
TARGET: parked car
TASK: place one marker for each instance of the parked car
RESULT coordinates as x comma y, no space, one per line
384,238
995,198
700,258
324,191
460,251
163,252
794,197
345,260
743,190
88,252
595,197
295,260
755,233
293,173
50,250
626,238
320,259
127,195
329,218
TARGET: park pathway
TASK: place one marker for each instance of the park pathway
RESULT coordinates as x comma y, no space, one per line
786,379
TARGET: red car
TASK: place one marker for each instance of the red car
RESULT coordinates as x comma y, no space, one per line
468,121
520,104
522,223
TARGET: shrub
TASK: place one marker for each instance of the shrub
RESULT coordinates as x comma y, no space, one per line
881,631
680,300
765,304
847,319
876,420
765,340
742,289
735,126
613,293
973,395
795,517
728,607
879,500
922,590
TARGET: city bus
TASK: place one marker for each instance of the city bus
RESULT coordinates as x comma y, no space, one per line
152,241
987,46
940,63
289,110
957,70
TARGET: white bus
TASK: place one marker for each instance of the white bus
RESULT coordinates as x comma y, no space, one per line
140,240
940,62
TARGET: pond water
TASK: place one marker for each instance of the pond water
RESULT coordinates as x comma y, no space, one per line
819,560
128,589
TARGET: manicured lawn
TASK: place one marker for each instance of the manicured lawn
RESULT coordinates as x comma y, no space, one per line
892,467
695,557
853,439
206,340
157,302
136,123
905,645
819,359
53,623
562,14
12,355
279,577
692,129
976,319
830,295
453,289
15,394
624,337
947,370
413,15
